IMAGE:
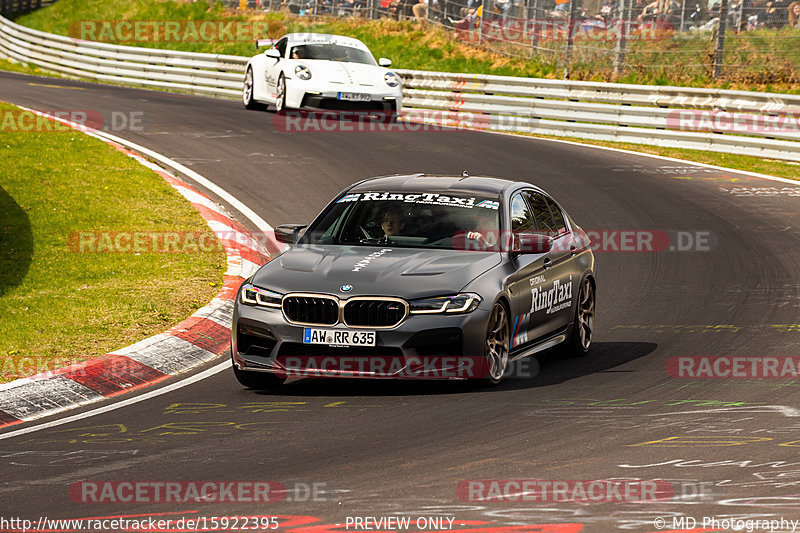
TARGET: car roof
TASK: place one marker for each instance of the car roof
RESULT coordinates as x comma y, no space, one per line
307,38
439,183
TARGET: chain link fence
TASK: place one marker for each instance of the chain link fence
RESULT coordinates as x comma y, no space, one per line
674,41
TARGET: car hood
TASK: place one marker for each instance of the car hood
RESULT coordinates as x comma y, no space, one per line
357,74
370,270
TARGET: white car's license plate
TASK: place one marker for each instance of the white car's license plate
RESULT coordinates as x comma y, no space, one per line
356,97
341,337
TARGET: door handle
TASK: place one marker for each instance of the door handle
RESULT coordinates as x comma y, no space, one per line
547,263
573,250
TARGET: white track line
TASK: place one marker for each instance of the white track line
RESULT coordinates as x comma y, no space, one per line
644,154
259,222
124,403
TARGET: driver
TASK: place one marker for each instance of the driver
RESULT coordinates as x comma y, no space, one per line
392,223
340,53
299,52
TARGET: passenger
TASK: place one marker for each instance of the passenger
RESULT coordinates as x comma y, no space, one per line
485,232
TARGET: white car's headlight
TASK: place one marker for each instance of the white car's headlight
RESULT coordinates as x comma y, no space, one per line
466,302
257,296
302,72
391,79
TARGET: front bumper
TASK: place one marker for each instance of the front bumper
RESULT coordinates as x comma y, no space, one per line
423,346
305,95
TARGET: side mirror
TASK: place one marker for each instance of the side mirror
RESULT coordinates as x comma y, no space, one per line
274,53
289,233
385,62
260,43
531,243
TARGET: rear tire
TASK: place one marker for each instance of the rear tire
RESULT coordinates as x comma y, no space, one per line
258,380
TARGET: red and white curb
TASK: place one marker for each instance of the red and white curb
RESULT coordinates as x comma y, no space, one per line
198,339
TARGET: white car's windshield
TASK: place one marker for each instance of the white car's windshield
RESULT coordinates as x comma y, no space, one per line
332,52
417,220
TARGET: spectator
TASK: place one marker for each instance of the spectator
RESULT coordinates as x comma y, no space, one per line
771,13
345,7
502,8
794,15
420,10
604,13
657,12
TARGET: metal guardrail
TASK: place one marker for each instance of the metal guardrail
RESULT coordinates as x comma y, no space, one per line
592,110
207,74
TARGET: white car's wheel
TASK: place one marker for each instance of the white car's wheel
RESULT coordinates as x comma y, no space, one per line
280,95
247,91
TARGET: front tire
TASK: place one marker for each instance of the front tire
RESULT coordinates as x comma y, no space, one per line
583,326
497,344
248,90
257,380
280,95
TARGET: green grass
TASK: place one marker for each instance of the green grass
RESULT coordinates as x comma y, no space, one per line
61,305
765,60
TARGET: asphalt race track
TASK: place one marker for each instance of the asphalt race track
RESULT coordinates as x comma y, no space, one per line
727,448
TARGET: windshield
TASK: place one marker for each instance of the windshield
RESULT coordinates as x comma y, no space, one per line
413,220
332,52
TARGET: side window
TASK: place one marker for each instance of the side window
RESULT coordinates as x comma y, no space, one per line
544,219
281,46
521,216
558,216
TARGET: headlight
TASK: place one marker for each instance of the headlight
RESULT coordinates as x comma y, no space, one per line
257,296
391,79
302,72
465,302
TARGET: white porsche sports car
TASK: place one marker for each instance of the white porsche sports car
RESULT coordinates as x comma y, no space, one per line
315,70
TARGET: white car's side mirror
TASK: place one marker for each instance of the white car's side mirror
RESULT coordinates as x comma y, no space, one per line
273,53
385,62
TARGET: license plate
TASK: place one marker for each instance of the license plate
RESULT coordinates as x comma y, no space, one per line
339,337
356,97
